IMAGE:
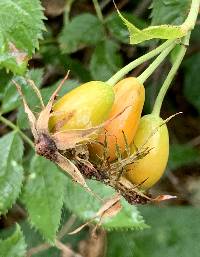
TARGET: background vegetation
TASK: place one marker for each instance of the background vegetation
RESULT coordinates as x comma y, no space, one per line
76,36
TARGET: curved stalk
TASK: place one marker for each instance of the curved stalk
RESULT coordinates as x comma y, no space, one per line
98,10
168,80
121,73
153,66
187,25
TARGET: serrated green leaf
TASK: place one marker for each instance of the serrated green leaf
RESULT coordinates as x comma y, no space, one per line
11,170
13,246
128,218
174,232
11,99
118,29
169,11
20,29
43,196
12,58
34,239
85,206
192,80
36,75
83,30
105,61
160,32
34,103
182,155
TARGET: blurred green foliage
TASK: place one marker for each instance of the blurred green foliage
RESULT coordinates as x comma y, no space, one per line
174,232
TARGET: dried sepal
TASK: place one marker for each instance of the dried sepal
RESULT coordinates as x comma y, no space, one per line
72,170
31,116
155,130
42,123
37,91
109,209
161,198
59,124
127,148
67,139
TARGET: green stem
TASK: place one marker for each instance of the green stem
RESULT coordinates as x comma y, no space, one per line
126,69
189,23
153,66
168,80
98,10
14,127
